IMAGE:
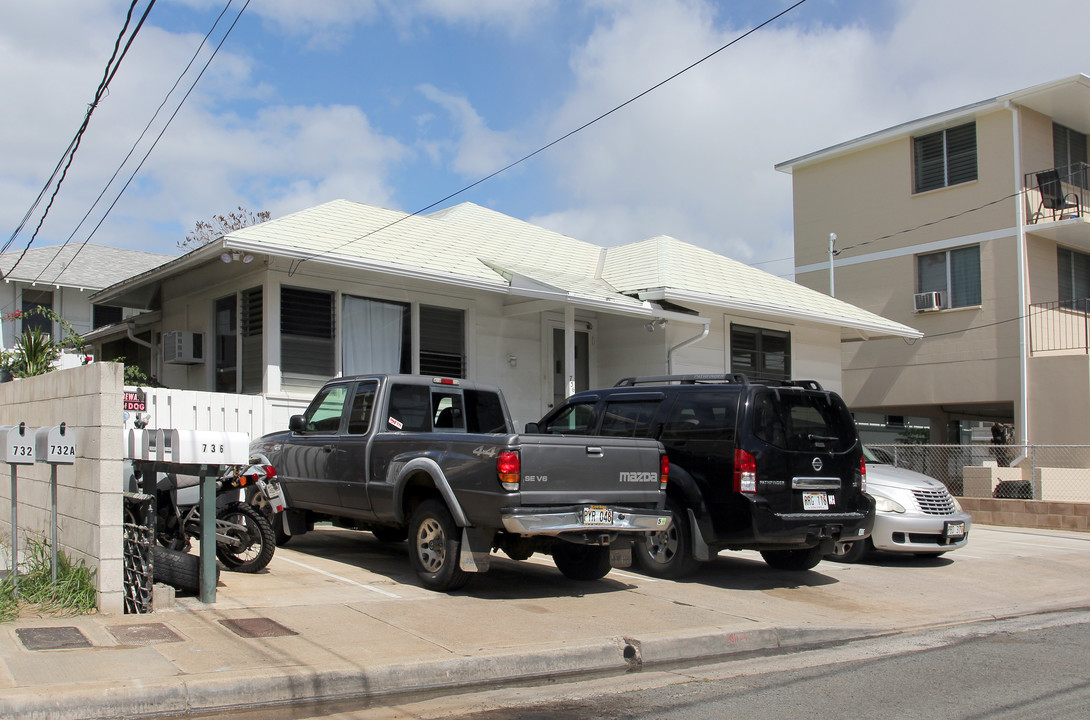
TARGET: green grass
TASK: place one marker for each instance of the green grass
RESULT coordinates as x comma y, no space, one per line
74,592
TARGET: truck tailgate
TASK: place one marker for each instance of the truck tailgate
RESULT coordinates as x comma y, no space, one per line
566,469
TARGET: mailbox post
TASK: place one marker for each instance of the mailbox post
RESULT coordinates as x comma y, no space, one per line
18,450
56,446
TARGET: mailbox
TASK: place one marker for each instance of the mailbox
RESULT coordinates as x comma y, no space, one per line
200,447
55,445
18,444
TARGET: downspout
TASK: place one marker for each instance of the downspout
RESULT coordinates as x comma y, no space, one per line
1023,332
142,343
684,344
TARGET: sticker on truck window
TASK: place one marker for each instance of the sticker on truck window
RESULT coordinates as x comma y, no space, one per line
396,423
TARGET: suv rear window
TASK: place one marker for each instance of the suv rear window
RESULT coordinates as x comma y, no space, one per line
802,421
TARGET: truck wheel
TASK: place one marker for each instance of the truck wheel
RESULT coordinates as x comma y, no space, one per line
802,559
581,562
850,552
668,554
434,547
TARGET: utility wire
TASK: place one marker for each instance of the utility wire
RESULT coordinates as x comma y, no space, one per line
558,140
108,77
140,138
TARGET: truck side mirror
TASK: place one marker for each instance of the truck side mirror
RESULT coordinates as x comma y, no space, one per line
296,423
531,428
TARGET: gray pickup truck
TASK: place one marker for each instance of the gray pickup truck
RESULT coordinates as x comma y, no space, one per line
436,460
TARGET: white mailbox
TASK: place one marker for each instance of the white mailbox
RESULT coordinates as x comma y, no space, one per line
200,447
55,445
18,444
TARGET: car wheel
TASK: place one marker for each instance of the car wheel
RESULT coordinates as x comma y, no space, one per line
802,559
850,551
581,562
386,534
434,547
668,553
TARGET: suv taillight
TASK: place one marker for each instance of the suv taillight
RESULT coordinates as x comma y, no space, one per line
508,469
745,472
862,474
664,471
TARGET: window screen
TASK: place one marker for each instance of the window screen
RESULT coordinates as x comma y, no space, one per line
442,342
306,331
945,158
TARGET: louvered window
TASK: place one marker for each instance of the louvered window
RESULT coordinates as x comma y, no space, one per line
760,353
251,328
1074,274
1069,155
306,332
956,273
945,158
442,342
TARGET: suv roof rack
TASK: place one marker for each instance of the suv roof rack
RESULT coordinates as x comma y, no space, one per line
733,378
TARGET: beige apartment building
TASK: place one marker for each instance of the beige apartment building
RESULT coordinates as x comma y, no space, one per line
970,226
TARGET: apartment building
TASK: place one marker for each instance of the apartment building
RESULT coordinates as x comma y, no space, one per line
971,226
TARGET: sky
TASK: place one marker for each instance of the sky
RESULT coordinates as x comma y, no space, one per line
405,103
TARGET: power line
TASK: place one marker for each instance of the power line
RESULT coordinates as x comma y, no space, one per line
111,70
558,140
106,187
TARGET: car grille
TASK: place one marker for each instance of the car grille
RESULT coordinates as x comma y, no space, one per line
935,502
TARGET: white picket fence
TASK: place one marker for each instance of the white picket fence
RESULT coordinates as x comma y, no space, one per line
254,415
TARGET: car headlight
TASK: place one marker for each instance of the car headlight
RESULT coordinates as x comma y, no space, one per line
884,504
957,505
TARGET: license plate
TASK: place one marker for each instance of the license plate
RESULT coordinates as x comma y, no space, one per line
597,515
815,501
275,496
955,530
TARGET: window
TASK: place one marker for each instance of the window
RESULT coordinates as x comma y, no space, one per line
377,337
324,413
1069,155
37,299
956,273
574,419
484,412
803,422
1073,274
226,347
103,315
945,158
442,342
306,332
702,416
359,417
628,419
447,412
250,326
759,353
410,408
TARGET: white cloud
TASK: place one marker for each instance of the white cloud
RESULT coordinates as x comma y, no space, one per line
478,150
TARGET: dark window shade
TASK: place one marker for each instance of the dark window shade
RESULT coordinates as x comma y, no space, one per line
442,342
103,315
306,331
945,158
250,327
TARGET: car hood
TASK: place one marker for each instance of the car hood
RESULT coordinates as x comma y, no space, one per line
891,476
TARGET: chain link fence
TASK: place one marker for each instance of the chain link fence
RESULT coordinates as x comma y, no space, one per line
1058,473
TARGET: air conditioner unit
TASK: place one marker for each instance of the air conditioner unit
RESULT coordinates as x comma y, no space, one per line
928,300
182,347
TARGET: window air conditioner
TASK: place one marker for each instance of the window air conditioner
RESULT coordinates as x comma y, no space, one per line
182,347
928,300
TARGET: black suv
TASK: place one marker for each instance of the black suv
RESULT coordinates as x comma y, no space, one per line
769,466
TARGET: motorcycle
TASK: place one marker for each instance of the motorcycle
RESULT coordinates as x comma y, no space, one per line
245,541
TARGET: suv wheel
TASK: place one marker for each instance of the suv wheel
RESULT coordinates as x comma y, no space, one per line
668,554
434,547
802,559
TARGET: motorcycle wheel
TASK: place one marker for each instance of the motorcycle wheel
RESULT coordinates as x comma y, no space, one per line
257,541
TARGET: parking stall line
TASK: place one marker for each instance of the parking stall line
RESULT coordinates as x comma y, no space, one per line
342,579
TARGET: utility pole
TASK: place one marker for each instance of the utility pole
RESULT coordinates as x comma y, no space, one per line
832,254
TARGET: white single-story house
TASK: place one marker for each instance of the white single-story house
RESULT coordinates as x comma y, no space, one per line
344,288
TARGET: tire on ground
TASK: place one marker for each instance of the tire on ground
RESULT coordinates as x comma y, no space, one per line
434,547
801,559
581,562
851,552
668,554
389,534
180,570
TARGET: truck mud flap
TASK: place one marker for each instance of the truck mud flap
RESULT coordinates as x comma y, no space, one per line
475,555
701,551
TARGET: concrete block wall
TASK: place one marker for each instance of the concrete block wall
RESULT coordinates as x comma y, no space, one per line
1028,513
88,400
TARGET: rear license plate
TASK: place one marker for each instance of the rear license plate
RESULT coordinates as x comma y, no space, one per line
955,530
275,496
815,501
597,515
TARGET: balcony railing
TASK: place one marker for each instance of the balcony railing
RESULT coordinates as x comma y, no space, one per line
1060,326
1057,193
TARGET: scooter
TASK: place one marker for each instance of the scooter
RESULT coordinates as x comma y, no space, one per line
245,541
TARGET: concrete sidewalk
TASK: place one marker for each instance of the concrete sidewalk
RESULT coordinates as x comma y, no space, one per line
339,615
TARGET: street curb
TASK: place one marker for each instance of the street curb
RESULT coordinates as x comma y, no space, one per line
223,692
